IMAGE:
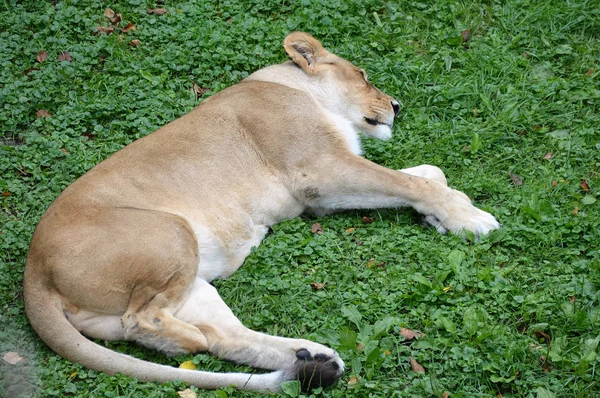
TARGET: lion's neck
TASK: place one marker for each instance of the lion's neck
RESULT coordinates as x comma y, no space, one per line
325,95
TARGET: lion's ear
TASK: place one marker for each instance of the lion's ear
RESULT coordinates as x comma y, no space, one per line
303,49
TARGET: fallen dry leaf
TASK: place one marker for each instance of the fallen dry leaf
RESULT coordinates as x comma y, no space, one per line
117,18
42,113
575,211
6,194
416,366
466,35
317,286
554,183
351,229
353,380
589,72
548,156
128,28
187,393
411,334
109,13
516,179
27,71
13,358
157,11
41,57
360,347
135,43
64,150
200,91
64,56
317,229
584,185
104,29
543,335
188,365
572,299
445,394
367,220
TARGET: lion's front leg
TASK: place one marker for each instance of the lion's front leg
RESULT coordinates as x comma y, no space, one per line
436,174
347,181
312,363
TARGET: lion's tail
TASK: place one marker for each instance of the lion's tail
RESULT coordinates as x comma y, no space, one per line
48,320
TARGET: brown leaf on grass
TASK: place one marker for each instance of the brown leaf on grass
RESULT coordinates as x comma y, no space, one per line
128,28
316,229
445,394
157,11
200,91
416,366
42,113
6,194
351,229
360,347
575,211
104,29
109,13
13,358
41,57
589,72
317,286
543,336
572,299
548,156
116,19
367,220
135,43
411,334
353,380
64,56
27,71
584,185
554,183
466,35
187,393
516,179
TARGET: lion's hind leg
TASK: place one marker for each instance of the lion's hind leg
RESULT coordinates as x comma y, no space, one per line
312,363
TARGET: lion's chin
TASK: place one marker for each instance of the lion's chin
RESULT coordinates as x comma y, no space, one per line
380,131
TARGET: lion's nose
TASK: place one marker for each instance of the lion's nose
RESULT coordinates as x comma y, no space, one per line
396,107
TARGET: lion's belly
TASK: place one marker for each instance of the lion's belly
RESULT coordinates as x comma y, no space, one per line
218,258
227,233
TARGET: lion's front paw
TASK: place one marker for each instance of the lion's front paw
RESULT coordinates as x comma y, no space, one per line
458,215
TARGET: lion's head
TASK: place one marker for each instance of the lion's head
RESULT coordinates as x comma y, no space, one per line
340,87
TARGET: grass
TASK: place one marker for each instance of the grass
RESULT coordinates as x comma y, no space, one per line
516,314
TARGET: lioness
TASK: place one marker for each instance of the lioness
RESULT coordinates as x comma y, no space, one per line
128,250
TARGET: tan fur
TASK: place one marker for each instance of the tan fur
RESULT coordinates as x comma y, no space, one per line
126,251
